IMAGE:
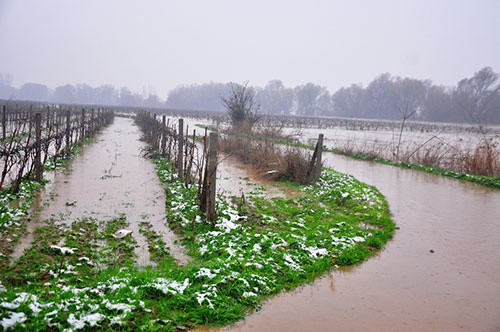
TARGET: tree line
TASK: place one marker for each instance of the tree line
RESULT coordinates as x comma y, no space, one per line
473,100
105,94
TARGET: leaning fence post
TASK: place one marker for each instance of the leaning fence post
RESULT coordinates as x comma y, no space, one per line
4,121
317,166
212,176
38,147
180,152
314,171
68,124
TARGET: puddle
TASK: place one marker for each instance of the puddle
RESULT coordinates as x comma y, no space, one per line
109,178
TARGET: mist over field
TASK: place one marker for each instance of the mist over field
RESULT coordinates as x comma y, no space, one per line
270,166
437,60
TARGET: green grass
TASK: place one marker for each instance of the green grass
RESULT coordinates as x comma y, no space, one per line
208,127
15,207
257,249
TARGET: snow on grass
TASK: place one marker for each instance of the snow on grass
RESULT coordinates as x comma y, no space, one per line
241,260
15,318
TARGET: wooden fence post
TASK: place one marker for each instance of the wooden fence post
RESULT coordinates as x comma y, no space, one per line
180,145
92,120
317,168
83,125
68,124
48,117
314,171
163,135
212,176
4,121
156,133
38,147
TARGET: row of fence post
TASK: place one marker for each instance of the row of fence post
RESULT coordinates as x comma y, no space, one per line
38,136
207,197
211,185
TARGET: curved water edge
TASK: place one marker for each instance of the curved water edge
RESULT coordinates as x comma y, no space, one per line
241,262
405,287
437,274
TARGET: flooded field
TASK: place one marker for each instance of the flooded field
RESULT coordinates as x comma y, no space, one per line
109,178
384,143
439,273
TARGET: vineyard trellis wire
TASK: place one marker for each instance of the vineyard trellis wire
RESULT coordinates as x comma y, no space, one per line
37,136
193,160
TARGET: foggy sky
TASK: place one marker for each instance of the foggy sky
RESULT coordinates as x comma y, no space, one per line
167,43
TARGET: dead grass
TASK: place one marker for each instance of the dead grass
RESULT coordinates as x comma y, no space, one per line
483,159
273,161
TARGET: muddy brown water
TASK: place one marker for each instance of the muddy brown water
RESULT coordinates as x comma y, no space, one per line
109,178
405,287
236,179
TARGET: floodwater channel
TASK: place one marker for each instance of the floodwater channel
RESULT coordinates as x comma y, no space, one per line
441,271
109,178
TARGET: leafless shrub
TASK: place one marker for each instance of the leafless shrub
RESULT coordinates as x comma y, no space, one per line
482,159
271,161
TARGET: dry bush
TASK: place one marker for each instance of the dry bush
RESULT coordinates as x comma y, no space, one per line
432,155
272,161
374,150
483,159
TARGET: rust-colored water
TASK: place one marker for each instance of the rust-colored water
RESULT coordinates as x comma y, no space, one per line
109,178
406,287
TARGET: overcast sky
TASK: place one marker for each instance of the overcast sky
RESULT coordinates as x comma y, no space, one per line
167,43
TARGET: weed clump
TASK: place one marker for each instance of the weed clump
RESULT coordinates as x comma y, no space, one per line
270,160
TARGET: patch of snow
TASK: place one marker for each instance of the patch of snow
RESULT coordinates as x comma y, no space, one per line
64,250
248,294
204,272
16,317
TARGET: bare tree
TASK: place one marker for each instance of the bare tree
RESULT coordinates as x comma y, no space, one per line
408,97
275,98
241,105
476,96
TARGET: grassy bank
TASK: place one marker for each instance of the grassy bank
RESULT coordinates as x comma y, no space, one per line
257,248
